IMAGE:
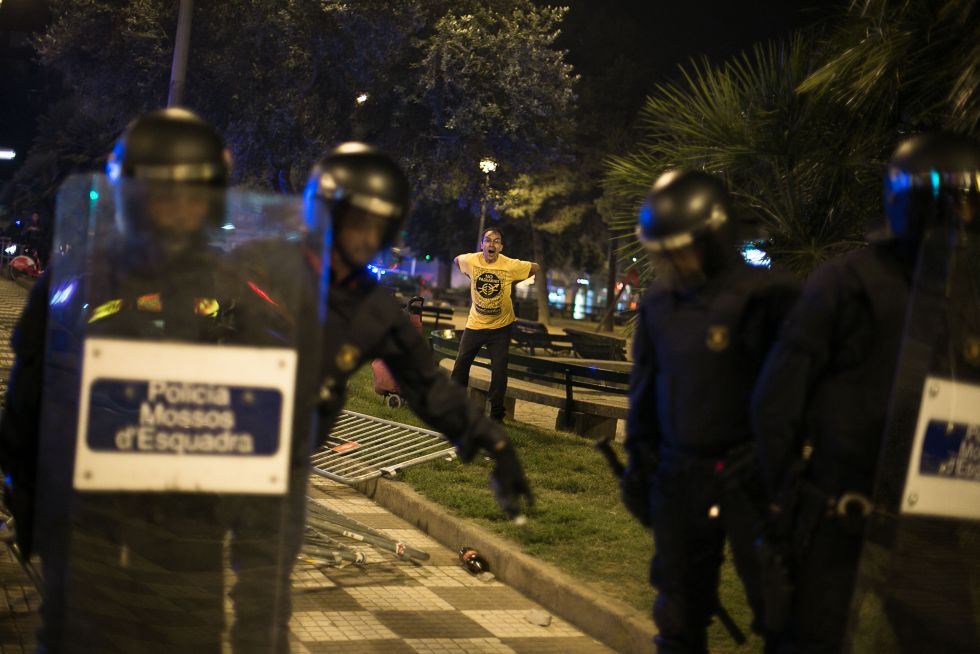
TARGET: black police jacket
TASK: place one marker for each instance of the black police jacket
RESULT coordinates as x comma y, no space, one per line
828,379
364,322
695,360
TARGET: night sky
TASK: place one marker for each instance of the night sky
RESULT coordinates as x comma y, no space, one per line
646,39
20,80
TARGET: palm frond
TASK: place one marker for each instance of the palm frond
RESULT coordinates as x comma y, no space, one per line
746,121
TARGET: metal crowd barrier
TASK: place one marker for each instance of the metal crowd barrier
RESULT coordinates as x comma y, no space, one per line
362,447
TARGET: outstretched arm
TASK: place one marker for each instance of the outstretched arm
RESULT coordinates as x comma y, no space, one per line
445,406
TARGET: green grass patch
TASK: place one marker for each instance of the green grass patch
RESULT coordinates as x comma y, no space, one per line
578,523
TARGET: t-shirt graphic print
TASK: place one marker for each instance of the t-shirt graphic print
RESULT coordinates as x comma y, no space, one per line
488,298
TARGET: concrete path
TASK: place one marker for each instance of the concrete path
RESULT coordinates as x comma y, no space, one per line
387,605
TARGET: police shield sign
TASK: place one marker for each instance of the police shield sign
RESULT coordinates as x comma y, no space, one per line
208,418
943,477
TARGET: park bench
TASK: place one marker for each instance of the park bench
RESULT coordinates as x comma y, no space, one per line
532,336
589,399
436,310
589,345
437,313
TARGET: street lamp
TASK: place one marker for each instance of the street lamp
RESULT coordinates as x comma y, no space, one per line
7,153
487,165
358,128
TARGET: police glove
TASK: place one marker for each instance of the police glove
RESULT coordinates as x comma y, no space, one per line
635,491
507,480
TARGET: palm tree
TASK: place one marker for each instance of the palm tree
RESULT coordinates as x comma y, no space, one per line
800,167
914,64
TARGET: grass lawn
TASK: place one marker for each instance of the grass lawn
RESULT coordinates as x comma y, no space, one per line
578,523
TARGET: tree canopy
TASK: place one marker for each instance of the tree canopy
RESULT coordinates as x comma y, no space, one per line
445,83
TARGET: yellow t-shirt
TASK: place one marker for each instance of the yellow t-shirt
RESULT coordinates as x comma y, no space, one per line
490,284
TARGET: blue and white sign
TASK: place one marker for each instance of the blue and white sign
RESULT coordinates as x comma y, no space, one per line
944,470
184,418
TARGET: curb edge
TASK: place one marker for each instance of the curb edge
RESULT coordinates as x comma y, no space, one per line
614,623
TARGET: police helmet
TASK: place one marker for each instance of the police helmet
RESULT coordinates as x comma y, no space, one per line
170,145
357,176
684,207
929,177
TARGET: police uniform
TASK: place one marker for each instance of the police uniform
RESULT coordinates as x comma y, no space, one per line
836,384
170,542
138,570
695,359
364,322
827,383
702,334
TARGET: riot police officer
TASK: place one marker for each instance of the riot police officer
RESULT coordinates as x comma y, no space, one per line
821,403
702,334
366,196
131,540
356,199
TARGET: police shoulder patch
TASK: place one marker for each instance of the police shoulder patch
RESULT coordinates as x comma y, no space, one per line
347,357
971,350
718,338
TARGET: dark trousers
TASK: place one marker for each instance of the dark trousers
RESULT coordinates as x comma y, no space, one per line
824,585
689,549
497,342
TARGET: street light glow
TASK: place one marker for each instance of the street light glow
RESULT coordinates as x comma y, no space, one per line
362,98
488,166
7,153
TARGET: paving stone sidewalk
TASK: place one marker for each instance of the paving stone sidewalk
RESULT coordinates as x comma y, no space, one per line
12,300
387,605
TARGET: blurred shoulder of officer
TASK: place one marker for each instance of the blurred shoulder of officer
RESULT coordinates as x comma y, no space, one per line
702,334
821,403
366,196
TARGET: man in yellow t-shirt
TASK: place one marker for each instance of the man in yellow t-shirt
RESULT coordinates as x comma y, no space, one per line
491,313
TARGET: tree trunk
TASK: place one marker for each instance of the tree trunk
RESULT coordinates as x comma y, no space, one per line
444,275
541,279
609,318
571,290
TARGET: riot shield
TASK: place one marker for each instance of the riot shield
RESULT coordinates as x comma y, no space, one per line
918,586
178,397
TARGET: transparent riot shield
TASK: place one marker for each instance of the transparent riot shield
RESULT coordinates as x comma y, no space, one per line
918,587
178,396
